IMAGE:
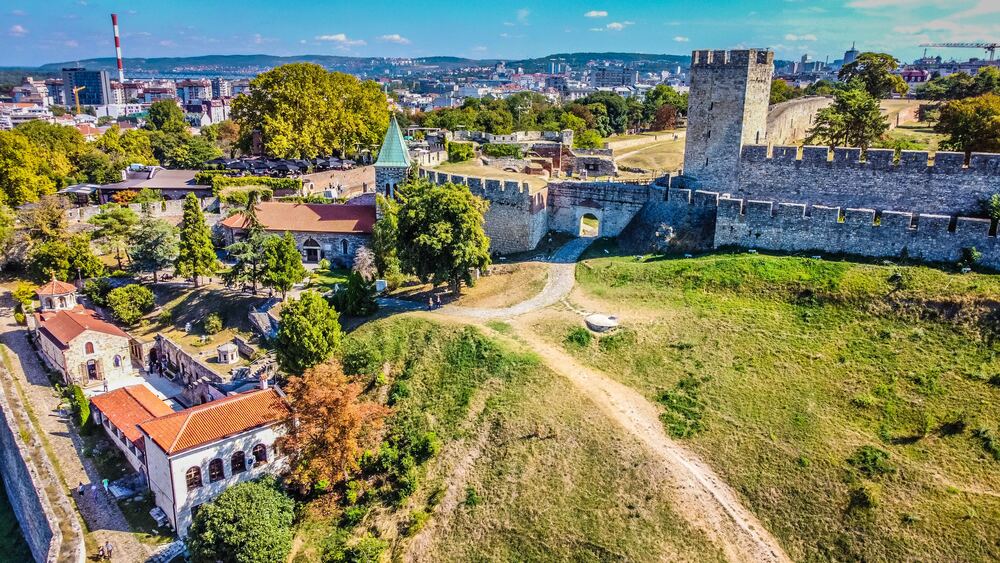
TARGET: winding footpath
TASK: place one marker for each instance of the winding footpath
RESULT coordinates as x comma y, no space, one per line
703,498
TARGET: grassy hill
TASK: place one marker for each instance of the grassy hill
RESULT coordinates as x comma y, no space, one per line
854,407
526,471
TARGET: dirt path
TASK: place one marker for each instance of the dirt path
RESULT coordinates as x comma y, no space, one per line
703,498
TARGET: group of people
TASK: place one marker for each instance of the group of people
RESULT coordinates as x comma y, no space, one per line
104,552
434,302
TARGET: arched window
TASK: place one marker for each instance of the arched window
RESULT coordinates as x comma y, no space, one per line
215,471
118,361
88,348
48,303
193,477
238,463
260,453
62,302
343,246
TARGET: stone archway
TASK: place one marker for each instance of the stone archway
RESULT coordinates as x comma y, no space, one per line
589,224
311,251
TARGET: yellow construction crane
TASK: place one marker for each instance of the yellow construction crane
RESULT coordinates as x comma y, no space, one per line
76,96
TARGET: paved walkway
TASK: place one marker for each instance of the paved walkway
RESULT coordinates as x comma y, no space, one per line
562,276
104,520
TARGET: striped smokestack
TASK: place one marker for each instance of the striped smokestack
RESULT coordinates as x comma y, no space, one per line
118,49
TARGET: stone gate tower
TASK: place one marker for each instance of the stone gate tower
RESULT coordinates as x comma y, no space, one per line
727,108
393,162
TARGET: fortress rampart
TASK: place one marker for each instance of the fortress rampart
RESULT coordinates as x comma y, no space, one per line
944,185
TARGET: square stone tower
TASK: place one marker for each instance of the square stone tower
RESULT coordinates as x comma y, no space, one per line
727,108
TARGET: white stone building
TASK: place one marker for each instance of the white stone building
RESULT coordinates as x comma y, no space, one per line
75,341
193,455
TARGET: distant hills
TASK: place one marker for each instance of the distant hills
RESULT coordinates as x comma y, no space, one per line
249,65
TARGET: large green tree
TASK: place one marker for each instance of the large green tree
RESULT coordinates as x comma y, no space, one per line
874,71
155,245
129,303
115,226
248,252
853,120
167,116
282,263
309,333
196,255
26,170
248,523
441,237
961,85
972,124
384,237
663,95
301,111
67,259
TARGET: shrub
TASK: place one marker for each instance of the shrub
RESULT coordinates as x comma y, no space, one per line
130,302
79,405
165,317
284,184
353,515
995,380
579,337
500,150
970,257
205,177
991,207
460,152
953,424
864,400
357,298
589,139
324,264
417,521
865,497
368,549
471,497
24,294
990,442
97,289
871,461
212,323
19,318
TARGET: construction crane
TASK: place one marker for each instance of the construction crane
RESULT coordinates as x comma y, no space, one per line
988,47
76,96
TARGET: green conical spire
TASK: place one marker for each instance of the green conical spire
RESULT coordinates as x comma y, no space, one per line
393,153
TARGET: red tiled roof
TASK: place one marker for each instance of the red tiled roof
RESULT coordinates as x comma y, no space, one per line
216,420
128,406
310,217
63,326
56,287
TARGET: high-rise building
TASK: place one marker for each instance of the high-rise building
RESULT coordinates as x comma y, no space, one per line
95,84
727,108
850,55
612,76
221,88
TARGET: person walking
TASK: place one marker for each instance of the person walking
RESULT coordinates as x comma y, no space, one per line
108,549
430,303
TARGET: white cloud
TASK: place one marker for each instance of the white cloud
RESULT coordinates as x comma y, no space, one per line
71,44
394,38
681,39
522,15
479,49
618,26
167,43
257,39
341,39
597,29
805,37
18,30
18,13
596,14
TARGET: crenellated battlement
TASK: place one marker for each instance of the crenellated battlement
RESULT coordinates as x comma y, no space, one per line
880,159
740,58
507,191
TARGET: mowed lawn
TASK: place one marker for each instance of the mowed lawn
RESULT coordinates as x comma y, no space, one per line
781,369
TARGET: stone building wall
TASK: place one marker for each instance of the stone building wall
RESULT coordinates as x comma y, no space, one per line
388,177
517,218
843,179
789,122
788,227
727,109
169,208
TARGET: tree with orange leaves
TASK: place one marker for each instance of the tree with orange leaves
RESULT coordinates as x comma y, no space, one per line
330,426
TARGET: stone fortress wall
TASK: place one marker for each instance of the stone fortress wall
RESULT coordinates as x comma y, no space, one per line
167,208
789,121
941,184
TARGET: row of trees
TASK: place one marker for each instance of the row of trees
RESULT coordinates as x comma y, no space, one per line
606,113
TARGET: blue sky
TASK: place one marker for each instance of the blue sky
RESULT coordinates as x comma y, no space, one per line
36,32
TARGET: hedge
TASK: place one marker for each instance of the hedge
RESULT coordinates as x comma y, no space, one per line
500,150
205,177
460,152
220,182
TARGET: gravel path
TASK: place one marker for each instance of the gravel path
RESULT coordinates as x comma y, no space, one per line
104,520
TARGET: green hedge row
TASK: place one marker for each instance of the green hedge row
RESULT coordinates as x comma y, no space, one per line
500,150
460,152
220,182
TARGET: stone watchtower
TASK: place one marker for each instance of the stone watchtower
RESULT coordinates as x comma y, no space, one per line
393,162
727,108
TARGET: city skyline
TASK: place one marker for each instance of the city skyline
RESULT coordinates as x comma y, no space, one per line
68,30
